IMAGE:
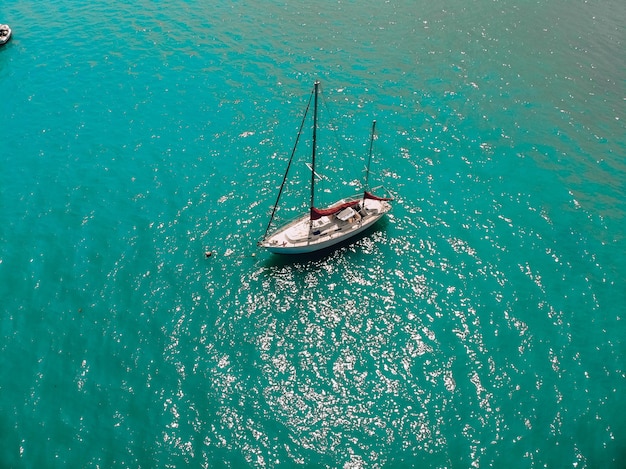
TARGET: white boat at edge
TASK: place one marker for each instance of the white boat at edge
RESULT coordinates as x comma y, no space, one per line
323,228
5,34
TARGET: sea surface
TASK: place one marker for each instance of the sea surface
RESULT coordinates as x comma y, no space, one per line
481,324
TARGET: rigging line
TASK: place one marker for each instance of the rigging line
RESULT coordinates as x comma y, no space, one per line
333,124
369,158
293,152
334,127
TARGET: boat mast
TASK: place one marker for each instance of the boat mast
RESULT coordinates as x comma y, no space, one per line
317,84
369,160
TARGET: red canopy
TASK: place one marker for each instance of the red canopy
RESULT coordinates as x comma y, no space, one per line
317,213
369,195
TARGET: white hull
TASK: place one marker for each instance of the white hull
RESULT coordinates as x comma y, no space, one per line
303,236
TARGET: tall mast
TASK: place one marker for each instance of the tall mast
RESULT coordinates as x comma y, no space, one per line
317,84
369,159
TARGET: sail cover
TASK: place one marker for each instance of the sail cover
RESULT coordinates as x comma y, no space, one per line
317,213
369,195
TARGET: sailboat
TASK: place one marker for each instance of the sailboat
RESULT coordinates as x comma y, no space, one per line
322,228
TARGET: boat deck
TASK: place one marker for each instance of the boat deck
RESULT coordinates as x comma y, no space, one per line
304,235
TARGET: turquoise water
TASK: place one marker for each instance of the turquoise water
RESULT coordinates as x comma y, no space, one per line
480,325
